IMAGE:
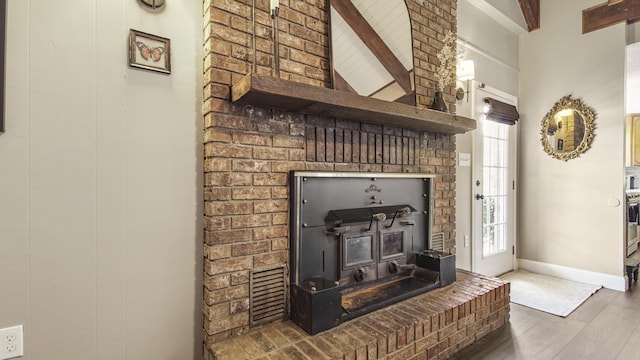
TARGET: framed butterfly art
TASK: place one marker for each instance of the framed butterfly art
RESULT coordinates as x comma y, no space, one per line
150,52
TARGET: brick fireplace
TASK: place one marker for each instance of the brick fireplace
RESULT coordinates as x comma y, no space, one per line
249,149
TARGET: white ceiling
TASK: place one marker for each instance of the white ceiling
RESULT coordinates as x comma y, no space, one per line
505,12
360,68
353,60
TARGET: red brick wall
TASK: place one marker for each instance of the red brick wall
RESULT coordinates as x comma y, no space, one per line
249,150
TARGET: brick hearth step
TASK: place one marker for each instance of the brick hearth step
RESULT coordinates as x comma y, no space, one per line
433,325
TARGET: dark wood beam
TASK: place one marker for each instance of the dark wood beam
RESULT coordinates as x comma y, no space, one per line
609,13
339,83
274,93
409,99
372,40
531,12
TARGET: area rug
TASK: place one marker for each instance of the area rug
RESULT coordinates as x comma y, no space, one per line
546,293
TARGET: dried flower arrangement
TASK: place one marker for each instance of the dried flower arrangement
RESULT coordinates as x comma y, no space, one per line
446,72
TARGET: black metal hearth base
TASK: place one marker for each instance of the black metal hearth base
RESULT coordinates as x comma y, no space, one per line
318,304
375,297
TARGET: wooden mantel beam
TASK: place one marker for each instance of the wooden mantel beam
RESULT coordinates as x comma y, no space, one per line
609,13
531,12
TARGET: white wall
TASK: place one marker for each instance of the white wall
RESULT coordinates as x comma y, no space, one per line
100,182
564,213
494,50
632,78
496,63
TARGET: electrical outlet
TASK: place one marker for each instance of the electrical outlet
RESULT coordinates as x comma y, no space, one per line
466,241
11,342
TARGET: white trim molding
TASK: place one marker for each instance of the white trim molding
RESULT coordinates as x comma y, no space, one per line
499,16
607,280
467,45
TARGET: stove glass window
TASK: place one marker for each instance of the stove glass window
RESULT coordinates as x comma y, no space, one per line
392,244
358,250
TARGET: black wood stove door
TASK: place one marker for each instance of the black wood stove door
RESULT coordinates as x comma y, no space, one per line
316,232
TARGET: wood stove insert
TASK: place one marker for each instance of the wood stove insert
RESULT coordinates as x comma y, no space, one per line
360,242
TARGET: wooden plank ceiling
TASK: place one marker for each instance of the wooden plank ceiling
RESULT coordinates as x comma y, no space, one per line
372,40
372,48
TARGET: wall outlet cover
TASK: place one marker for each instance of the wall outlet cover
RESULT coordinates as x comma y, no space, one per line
11,342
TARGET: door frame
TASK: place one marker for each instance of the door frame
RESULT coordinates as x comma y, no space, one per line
476,235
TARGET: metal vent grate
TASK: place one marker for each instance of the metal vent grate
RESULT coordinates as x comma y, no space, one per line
267,295
437,242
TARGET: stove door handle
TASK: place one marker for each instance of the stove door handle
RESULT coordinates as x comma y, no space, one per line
408,267
359,274
339,230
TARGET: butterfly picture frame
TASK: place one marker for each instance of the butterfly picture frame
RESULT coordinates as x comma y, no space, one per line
150,52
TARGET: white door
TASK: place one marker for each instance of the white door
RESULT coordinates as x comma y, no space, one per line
493,188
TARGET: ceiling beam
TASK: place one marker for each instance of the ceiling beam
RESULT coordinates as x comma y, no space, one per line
609,13
531,12
408,99
339,83
372,40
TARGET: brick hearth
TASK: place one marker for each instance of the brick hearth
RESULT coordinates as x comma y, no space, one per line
434,325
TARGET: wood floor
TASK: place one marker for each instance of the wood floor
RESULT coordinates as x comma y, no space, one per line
606,326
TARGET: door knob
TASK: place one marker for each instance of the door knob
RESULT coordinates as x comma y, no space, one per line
479,197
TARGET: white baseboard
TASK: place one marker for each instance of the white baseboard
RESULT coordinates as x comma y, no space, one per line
609,281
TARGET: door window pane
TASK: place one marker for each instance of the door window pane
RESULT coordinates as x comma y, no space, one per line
495,188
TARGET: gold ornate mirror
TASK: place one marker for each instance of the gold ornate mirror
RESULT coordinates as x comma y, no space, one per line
567,129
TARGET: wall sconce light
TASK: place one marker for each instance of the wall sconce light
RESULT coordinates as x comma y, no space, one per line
465,71
274,5
154,4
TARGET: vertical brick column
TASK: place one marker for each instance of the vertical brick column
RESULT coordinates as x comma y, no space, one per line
249,150
431,20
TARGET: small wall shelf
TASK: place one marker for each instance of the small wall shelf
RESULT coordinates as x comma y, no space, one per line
272,92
